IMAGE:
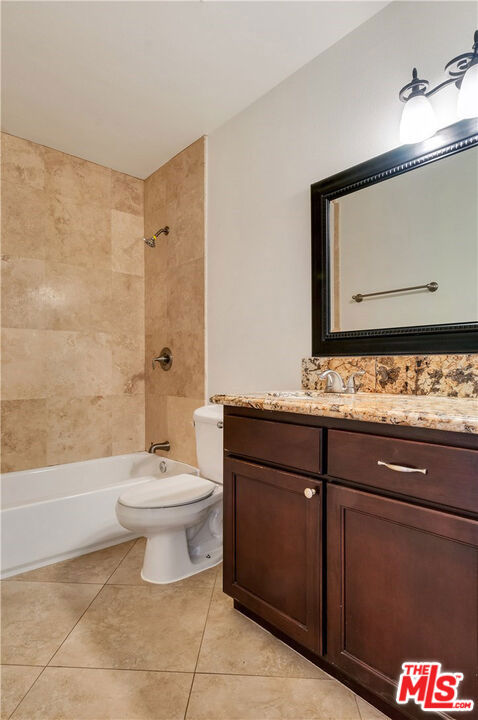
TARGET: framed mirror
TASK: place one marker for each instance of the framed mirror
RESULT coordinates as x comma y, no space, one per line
395,251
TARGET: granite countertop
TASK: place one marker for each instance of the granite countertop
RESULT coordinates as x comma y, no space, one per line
437,413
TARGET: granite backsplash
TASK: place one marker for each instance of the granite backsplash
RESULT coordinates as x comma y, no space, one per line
445,375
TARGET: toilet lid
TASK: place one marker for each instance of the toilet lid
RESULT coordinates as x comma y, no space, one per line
168,492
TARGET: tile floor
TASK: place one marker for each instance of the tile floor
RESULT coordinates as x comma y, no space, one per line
87,639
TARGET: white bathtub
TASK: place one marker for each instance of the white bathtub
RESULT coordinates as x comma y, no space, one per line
53,513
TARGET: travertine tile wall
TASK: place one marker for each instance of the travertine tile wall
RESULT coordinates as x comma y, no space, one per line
174,282
72,308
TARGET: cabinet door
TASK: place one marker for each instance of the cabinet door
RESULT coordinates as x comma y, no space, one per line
402,585
272,547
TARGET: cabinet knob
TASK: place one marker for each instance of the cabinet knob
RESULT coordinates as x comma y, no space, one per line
309,493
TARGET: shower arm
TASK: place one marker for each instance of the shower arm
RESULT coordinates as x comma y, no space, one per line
151,241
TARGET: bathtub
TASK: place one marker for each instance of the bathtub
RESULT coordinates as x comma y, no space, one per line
54,513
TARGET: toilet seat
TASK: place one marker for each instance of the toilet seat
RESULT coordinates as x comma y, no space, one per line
173,491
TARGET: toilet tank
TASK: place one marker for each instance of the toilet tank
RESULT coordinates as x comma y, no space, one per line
209,444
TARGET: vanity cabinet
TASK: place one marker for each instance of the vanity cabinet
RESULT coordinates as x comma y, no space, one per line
272,547
357,543
402,584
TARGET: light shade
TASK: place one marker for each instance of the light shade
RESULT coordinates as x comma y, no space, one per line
418,120
468,95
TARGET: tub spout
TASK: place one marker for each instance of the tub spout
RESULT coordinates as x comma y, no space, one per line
159,446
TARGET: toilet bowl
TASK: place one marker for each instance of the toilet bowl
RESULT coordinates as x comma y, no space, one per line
181,516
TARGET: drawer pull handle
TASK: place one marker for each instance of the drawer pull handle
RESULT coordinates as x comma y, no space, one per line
309,493
402,468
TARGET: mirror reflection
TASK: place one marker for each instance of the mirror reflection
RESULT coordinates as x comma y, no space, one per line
404,252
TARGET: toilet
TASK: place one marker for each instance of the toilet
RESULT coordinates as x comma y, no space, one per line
181,515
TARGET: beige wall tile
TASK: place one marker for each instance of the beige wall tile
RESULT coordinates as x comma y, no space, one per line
77,298
75,328
157,380
23,285
156,301
187,239
24,220
23,162
77,364
78,429
66,297
127,423
174,298
23,434
154,196
186,296
181,429
127,193
78,233
16,682
128,364
128,304
185,171
127,246
186,376
82,181
24,371
156,421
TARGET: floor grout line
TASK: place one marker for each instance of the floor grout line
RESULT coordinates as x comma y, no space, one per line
121,561
358,708
29,689
74,626
200,644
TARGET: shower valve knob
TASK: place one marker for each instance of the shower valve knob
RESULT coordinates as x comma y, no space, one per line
165,359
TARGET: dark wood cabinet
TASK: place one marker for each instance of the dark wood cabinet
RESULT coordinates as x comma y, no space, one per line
395,512
402,586
272,547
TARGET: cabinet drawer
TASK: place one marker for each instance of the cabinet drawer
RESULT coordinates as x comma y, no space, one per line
294,446
451,476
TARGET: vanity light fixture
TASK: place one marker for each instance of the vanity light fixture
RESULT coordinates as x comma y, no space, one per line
418,118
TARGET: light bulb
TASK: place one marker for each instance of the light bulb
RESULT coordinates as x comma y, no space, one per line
418,120
468,95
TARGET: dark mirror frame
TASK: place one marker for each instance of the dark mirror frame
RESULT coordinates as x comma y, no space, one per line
457,338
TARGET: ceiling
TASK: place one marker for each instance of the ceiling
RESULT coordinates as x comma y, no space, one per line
130,84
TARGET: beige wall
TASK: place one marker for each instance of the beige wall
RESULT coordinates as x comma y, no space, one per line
174,312
324,118
72,308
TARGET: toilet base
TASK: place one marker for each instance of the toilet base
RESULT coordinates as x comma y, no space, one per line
167,558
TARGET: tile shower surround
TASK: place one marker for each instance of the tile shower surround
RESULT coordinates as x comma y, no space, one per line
443,375
72,308
174,284
80,299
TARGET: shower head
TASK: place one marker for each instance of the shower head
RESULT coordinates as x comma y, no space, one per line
151,241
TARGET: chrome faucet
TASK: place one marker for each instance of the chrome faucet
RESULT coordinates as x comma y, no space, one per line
335,383
159,446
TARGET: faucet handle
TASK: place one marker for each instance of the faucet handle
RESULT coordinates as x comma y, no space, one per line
350,387
334,380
